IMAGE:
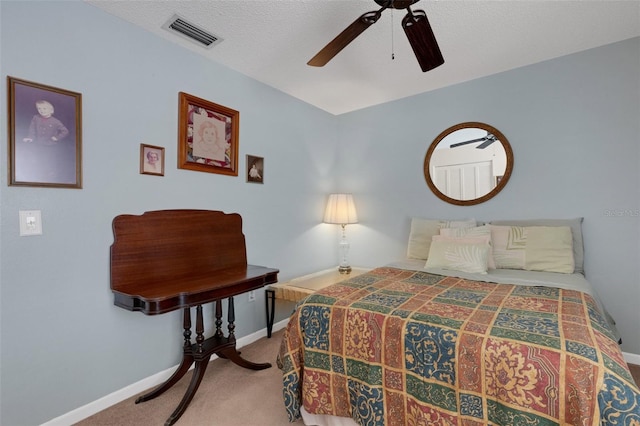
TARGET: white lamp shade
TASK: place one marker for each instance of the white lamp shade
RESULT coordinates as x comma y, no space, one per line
340,210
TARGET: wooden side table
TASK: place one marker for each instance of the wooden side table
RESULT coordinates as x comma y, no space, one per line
299,288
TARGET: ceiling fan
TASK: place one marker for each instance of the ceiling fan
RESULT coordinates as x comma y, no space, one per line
486,141
416,27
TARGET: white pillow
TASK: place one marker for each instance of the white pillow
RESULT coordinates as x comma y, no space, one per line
422,230
576,234
458,256
475,231
480,239
533,248
508,246
549,249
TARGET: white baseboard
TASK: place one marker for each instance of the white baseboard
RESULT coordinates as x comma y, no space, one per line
120,395
631,358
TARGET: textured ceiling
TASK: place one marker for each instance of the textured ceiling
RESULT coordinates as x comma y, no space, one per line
272,40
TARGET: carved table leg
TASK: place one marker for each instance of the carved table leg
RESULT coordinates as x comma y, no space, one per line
219,332
231,319
199,329
200,353
182,369
234,356
186,320
230,352
187,360
198,374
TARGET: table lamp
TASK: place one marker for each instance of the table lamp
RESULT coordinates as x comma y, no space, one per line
341,211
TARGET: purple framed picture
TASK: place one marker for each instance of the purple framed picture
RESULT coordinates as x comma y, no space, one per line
45,135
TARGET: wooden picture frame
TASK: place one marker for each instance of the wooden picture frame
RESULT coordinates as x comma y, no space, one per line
207,136
151,160
45,135
255,169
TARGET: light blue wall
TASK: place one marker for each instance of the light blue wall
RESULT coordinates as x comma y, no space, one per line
64,344
572,122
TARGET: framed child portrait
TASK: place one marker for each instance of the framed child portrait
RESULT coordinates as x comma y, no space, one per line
45,135
255,169
207,136
151,160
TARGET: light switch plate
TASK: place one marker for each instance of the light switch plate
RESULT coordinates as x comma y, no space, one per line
30,222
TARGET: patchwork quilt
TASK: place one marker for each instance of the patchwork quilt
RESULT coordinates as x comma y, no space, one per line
401,347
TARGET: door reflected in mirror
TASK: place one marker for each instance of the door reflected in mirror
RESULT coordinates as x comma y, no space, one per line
468,163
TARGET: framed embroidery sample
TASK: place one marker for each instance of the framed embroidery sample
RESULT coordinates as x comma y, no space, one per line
207,136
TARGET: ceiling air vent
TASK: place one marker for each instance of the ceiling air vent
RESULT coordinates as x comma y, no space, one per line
183,28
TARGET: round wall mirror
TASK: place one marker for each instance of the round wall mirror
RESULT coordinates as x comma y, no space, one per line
468,163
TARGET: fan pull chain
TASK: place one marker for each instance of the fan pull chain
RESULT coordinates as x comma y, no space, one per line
393,55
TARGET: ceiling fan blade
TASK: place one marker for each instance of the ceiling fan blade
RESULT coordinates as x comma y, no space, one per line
486,143
455,145
344,38
423,42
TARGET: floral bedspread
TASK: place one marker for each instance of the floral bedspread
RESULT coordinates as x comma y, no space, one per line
400,347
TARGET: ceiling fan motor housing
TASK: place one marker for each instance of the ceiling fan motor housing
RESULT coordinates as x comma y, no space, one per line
396,4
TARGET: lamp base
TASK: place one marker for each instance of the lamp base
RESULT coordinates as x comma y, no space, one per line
344,269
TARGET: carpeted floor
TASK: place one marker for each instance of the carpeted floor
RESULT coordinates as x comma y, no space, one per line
229,395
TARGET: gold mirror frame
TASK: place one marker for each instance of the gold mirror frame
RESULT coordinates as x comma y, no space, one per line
501,184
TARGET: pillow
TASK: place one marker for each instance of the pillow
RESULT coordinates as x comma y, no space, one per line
549,249
423,229
533,248
576,234
480,239
458,256
476,231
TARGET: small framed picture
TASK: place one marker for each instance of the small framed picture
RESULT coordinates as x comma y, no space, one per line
255,169
45,135
207,136
151,160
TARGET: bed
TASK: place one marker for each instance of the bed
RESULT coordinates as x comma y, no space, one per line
422,343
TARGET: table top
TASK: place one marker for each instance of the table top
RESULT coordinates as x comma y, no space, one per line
169,295
170,259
